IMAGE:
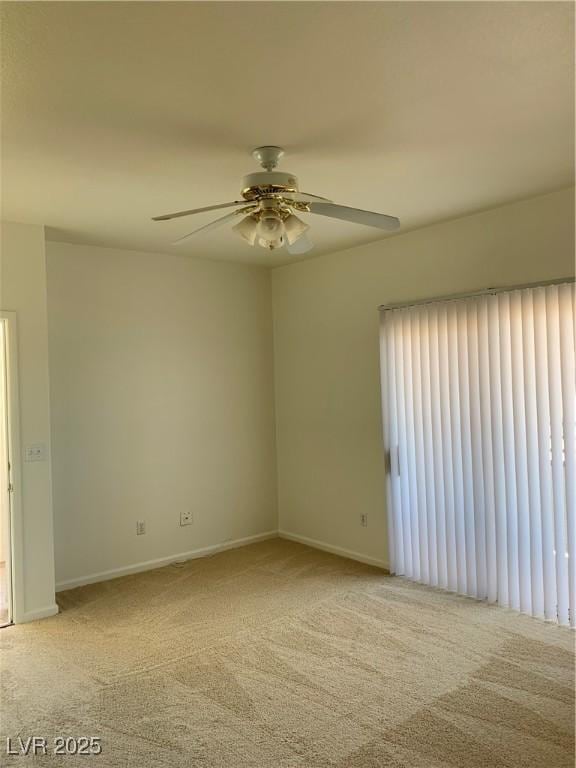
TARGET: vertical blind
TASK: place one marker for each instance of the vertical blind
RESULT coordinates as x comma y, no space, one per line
479,415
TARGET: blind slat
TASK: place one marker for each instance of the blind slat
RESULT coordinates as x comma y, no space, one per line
429,475
450,514
399,403
419,464
567,316
557,441
466,446
531,403
544,454
520,449
438,449
387,367
498,453
457,463
411,448
477,462
487,453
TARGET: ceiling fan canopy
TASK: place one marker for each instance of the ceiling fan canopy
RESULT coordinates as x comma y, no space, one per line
270,201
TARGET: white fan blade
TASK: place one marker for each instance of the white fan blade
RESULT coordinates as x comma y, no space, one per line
304,197
302,245
167,216
356,215
213,225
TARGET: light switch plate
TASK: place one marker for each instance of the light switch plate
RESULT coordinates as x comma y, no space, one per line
36,452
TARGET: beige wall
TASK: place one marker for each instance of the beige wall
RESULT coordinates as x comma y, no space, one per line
162,401
330,458
23,291
162,386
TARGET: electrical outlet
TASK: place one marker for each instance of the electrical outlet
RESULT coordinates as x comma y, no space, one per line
186,518
140,527
364,520
35,452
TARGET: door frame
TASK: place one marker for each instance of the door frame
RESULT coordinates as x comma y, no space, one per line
16,565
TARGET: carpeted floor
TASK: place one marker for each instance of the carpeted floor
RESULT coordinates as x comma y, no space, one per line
280,656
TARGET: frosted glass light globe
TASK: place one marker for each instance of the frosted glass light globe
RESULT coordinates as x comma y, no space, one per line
270,226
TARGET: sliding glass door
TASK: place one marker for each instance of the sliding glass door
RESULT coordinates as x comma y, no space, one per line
478,403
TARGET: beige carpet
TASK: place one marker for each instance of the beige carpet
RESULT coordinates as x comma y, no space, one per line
280,656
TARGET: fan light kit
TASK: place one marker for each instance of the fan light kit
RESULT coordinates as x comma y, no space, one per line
270,202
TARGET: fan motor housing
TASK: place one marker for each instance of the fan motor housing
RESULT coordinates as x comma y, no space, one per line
268,182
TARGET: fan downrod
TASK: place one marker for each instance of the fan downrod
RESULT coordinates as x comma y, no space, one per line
268,157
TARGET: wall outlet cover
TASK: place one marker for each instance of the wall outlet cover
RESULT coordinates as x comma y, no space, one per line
140,527
186,518
364,520
36,452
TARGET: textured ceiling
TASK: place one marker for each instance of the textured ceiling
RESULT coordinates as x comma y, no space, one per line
114,112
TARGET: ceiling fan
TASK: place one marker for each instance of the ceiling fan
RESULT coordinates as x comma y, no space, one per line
270,199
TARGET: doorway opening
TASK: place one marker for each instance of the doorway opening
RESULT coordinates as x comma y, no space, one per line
6,485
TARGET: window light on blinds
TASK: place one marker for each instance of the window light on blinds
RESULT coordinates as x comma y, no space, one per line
479,423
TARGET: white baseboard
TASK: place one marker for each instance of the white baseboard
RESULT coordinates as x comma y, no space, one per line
334,550
150,565
41,613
